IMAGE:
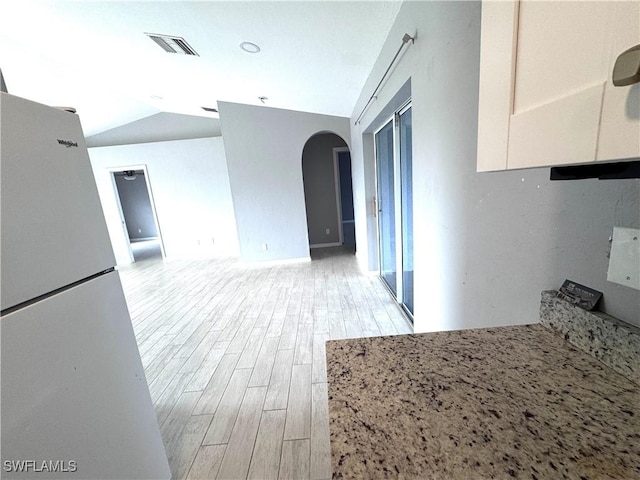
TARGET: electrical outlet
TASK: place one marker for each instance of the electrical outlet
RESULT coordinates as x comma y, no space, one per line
327,231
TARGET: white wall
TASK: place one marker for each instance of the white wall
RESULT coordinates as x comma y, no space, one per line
264,155
190,187
161,127
486,244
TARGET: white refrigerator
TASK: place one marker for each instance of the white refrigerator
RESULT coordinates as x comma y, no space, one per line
74,400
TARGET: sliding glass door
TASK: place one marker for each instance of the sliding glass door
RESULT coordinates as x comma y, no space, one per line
395,206
406,199
386,205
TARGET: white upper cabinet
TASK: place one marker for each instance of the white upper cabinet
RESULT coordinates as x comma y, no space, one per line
546,96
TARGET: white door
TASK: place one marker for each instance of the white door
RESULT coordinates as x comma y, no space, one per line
73,387
53,228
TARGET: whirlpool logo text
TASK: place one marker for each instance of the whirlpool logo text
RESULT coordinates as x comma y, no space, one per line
67,143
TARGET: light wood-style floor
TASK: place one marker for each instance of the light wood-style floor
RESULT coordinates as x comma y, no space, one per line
235,361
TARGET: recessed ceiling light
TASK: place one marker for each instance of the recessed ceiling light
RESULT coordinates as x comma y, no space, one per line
156,97
249,47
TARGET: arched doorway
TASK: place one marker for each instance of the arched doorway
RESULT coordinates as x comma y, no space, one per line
326,172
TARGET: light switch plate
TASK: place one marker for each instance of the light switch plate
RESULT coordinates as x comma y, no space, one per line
624,262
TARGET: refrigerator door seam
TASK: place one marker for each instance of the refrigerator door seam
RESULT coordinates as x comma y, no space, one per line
57,291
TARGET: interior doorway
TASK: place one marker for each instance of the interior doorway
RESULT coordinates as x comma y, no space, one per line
328,192
137,213
344,194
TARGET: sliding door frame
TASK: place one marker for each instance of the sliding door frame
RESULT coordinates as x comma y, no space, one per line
397,201
379,206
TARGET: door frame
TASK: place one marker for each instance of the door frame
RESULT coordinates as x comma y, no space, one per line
336,180
384,123
403,109
112,171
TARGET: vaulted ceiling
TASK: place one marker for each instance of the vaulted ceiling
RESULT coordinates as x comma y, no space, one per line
94,55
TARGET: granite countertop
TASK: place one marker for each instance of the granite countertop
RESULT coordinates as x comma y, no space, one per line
508,402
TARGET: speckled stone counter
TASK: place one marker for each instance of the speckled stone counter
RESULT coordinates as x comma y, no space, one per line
510,402
614,342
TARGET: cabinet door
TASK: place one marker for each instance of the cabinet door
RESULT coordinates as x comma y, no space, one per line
498,38
619,136
561,69
546,96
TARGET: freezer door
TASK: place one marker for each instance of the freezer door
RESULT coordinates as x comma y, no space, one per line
53,229
74,390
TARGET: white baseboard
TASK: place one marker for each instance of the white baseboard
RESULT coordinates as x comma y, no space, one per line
325,245
143,239
274,263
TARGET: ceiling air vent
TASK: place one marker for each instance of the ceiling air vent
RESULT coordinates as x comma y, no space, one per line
171,44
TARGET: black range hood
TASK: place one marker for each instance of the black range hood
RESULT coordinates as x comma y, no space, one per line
601,171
